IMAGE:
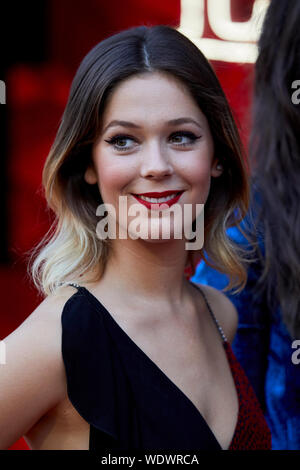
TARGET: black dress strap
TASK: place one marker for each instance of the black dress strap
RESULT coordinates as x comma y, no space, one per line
222,334
89,364
71,284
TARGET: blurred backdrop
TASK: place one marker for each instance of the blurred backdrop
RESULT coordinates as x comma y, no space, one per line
41,48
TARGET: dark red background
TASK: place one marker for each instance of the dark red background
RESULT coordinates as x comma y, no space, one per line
37,91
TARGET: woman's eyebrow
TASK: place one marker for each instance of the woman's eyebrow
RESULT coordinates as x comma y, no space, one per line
182,120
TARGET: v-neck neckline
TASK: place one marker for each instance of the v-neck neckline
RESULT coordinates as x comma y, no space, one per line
98,304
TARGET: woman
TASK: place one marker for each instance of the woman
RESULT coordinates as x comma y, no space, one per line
269,306
124,352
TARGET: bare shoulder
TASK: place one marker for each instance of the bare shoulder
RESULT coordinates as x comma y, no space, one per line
223,309
51,307
43,327
33,378
44,323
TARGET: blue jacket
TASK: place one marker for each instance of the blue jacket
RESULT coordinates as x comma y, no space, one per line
263,346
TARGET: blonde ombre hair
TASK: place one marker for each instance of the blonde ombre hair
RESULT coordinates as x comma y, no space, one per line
71,250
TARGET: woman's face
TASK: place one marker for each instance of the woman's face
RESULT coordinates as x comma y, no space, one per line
154,138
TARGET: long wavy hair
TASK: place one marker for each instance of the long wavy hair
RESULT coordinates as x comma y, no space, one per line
71,248
275,153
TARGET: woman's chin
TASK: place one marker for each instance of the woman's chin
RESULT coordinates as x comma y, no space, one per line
157,238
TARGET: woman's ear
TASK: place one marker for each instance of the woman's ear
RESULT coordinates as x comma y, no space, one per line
90,175
217,168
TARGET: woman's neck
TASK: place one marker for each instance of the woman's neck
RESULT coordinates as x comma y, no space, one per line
148,270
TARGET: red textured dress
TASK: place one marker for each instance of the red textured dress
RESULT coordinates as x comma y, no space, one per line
129,402
252,431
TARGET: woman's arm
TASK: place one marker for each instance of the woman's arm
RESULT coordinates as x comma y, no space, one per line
32,380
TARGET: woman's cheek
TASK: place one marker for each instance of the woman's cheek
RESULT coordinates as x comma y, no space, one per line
199,173
200,180
114,178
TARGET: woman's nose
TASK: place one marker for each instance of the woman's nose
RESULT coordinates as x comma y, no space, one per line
155,163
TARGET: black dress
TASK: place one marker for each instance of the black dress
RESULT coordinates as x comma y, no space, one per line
126,398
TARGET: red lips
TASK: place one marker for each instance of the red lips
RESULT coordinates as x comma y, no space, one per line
158,205
162,194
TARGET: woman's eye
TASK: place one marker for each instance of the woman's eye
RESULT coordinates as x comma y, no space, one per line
121,142
184,138
179,139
